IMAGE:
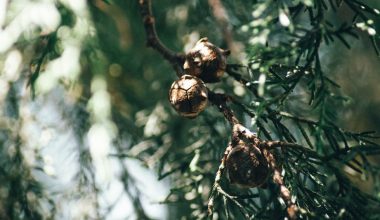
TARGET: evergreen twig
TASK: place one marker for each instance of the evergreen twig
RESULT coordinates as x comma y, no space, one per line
176,59
324,130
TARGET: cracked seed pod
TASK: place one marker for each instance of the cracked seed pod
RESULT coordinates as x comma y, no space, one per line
188,96
247,167
206,61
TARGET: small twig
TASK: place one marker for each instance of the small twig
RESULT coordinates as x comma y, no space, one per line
218,189
238,131
220,101
217,179
285,193
273,144
233,199
176,59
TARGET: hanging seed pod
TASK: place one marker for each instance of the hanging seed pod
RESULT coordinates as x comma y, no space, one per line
247,166
206,61
188,96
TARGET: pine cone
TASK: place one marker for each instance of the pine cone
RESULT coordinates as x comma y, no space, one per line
247,166
188,96
206,61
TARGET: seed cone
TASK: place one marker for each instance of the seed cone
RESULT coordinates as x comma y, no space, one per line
247,166
206,61
188,96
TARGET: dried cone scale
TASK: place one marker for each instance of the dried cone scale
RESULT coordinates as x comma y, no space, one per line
247,167
188,96
206,61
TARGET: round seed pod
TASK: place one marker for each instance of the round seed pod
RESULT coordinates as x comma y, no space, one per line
206,61
246,165
188,96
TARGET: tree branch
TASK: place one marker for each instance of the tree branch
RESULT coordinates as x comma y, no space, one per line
153,41
220,101
285,194
218,189
177,59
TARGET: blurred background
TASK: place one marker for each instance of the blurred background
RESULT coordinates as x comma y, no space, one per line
86,129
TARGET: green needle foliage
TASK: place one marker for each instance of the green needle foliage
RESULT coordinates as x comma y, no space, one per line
297,103
80,84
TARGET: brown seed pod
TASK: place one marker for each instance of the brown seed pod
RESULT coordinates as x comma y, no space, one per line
188,95
247,166
206,61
